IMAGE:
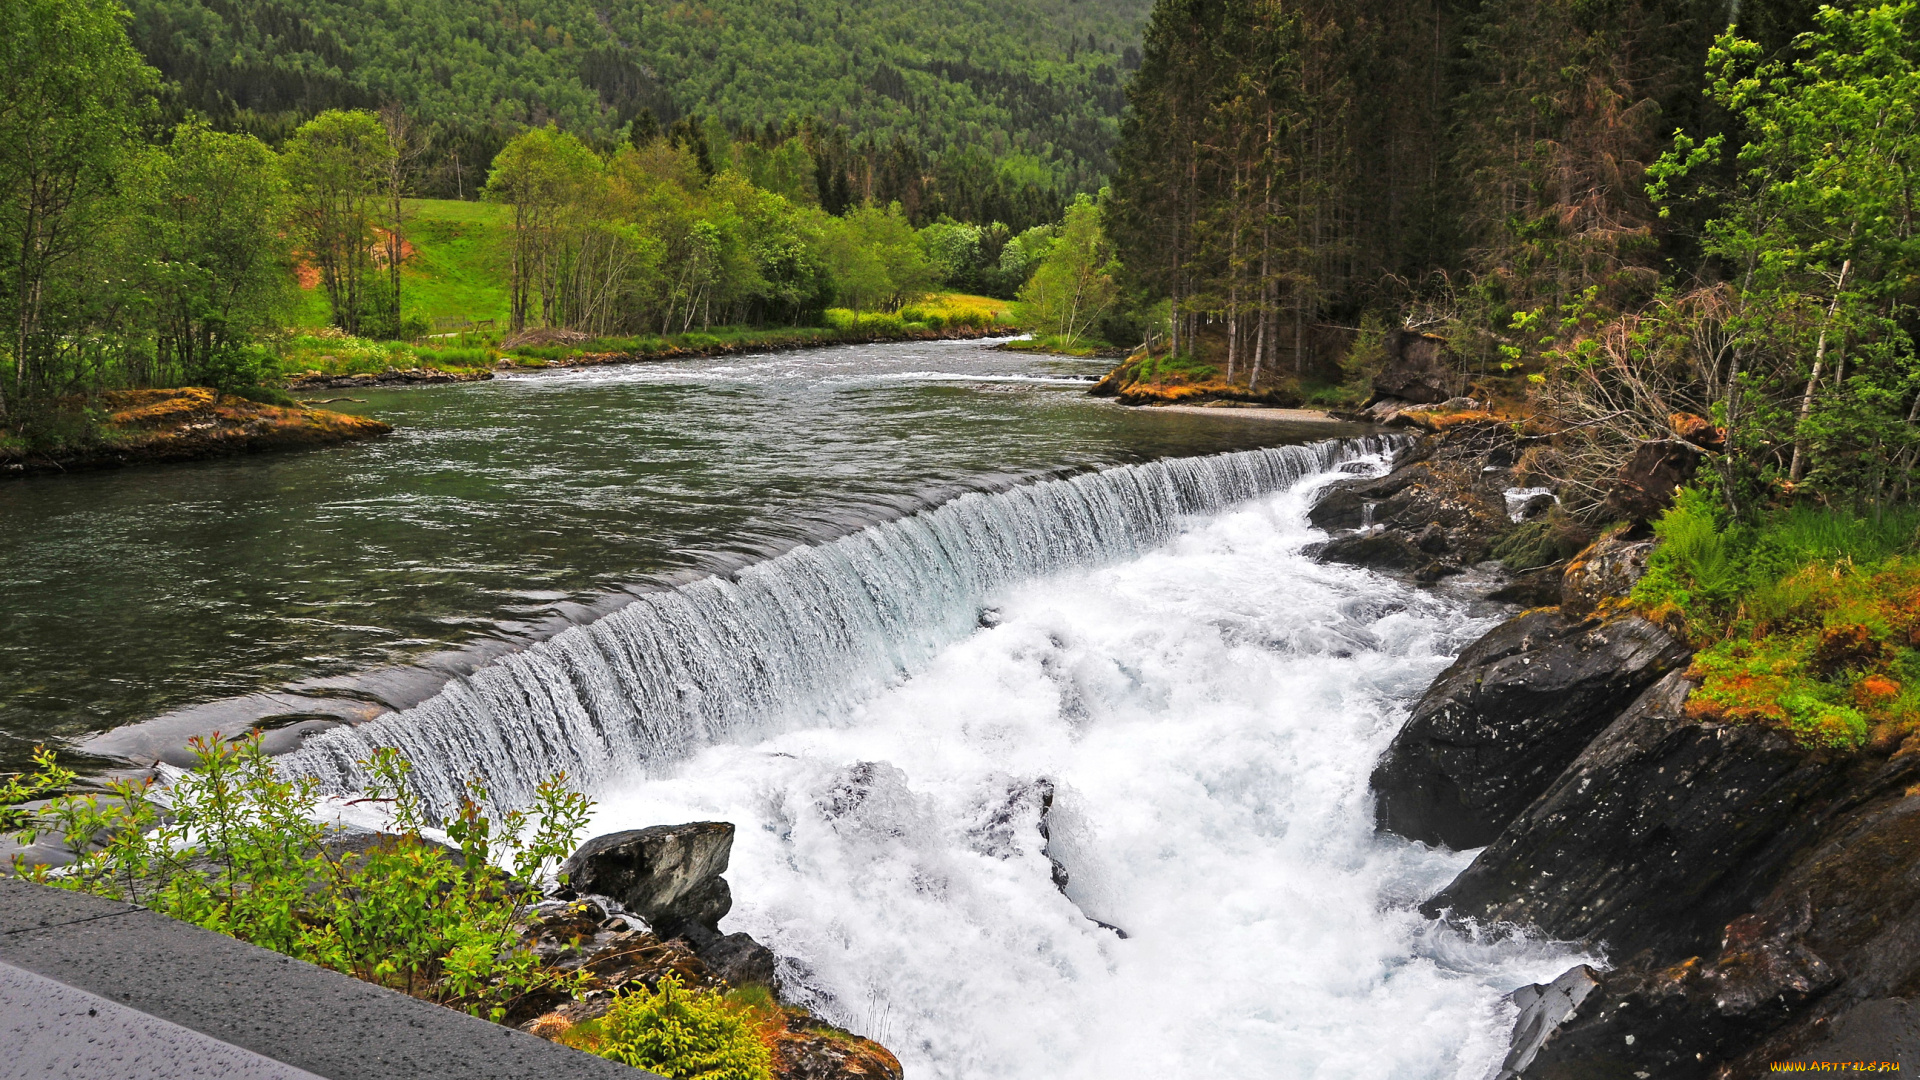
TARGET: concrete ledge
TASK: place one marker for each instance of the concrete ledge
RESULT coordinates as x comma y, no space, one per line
313,1019
54,1030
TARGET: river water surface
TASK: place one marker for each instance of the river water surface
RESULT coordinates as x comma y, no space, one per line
976,632
497,506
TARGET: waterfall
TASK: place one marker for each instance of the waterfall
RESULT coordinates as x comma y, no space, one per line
799,637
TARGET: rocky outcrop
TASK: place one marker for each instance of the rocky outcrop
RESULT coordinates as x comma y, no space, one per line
1419,369
811,1049
189,423
1659,833
1437,513
1607,570
415,376
1823,855
669,876
1496,728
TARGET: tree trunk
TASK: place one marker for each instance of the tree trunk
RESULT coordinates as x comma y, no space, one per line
1798,469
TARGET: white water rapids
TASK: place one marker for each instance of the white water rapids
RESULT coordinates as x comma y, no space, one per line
881,717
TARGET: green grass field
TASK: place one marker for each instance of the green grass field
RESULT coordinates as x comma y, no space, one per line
456,272
456,268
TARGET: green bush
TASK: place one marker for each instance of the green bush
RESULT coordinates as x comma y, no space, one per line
233,846
683,1034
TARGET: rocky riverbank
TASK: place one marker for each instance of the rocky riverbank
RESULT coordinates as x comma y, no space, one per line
1759,901
139,427
644,904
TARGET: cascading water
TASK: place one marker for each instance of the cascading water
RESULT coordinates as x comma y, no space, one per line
798,636
1135,676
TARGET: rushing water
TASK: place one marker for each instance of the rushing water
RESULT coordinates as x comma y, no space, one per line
886,717
974,628
499,507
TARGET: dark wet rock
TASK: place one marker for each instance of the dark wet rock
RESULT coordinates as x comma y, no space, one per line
1419,369
1496,728
1438,512
1681,1020
1340,508
1859,887
1662,832
1607,569
668,875
1533,588
1380,550
1645,485
739,960
1884,1030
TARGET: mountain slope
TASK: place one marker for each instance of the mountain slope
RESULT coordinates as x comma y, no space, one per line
1036,77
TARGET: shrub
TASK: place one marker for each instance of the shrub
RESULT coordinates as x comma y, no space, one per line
235,847
682,1034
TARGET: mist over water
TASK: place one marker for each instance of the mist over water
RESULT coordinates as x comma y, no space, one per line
1207,715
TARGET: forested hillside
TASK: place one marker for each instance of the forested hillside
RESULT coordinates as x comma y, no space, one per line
1037,81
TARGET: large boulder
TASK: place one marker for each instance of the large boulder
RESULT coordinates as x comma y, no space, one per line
1662,832
1433,515
1496,728
1419,369
1765,899
668,875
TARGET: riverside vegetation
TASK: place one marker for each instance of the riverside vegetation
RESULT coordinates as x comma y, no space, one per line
232,846
157,256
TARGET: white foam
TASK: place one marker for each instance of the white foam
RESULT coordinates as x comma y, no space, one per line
1208,714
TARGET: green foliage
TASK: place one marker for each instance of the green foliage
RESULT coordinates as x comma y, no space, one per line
235,847
1812,217
72,92
1073,287
1015,75
210,240
336,163
1805,619
683,1034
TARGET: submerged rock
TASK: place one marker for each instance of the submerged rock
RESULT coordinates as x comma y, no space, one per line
1496,728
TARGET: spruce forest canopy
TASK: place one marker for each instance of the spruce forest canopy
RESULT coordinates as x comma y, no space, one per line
1040,79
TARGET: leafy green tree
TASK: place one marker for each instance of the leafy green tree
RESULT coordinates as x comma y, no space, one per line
72,91
337,163
1073,286
877,260
555,185
1815,229
212,210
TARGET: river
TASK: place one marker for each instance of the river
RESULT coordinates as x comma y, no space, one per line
960,595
